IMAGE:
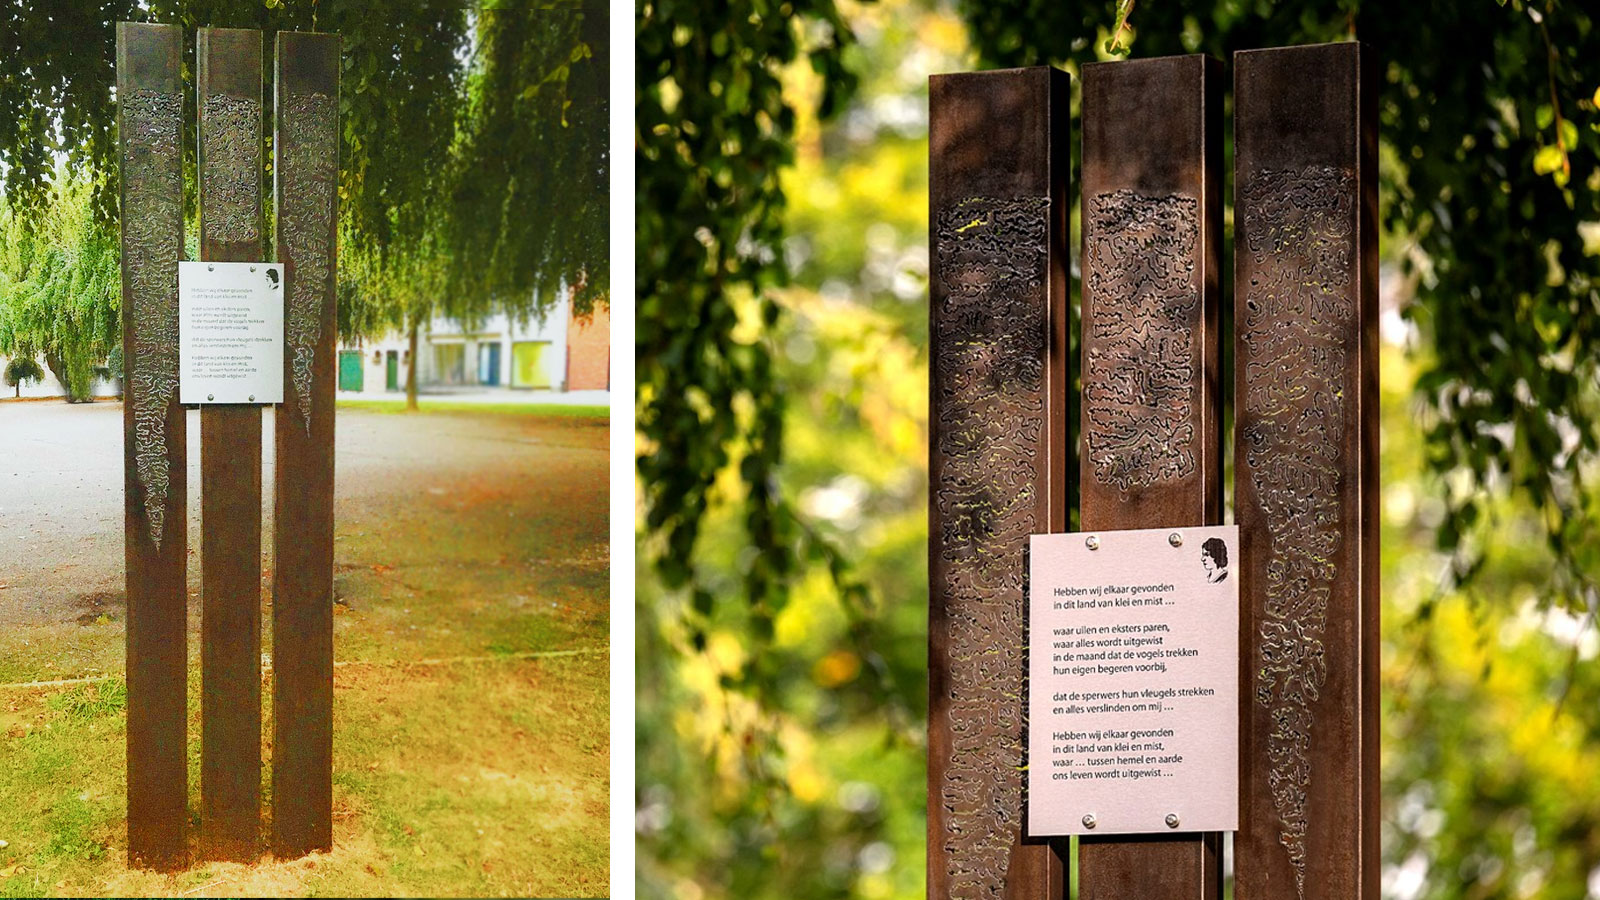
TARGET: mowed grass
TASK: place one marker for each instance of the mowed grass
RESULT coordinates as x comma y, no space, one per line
429,405
459,779
462,767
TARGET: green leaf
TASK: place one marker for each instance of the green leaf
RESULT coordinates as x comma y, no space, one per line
1547,160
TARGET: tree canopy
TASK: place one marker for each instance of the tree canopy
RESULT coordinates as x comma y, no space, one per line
60,288
472,132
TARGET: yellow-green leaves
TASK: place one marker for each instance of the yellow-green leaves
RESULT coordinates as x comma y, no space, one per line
1548,160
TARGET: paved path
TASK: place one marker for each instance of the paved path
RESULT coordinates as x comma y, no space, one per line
439,488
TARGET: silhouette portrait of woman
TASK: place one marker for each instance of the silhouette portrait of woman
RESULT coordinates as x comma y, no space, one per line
1214,557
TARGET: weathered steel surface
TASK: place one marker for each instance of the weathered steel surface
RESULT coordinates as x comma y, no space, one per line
150,128
306,181
230,172
1306,470
1152,230
999,458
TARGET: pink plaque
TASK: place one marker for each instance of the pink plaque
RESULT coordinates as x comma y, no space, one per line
1133,681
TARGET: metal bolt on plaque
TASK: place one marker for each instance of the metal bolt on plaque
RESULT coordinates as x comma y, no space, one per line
1175,539
1172,820
1092,542
1088,820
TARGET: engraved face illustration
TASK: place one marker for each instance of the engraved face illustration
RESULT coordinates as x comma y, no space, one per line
1214,559
272,279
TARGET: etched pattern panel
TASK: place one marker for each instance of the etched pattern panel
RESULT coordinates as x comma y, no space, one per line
1298,227
310,130
152,237
231,138
990,340
1141,379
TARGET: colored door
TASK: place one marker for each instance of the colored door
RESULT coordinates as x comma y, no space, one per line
527,364
450,363
351,374
489,364
391,372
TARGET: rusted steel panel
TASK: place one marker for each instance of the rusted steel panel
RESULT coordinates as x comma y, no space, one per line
1152,230
1305,469
305,180
150,135
230,172
999,458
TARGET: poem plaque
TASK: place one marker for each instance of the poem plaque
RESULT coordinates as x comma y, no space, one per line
230,332
1133,681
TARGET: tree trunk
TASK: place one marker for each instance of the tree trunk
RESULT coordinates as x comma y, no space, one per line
411,370
58,368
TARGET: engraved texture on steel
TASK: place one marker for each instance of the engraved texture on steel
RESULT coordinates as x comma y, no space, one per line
155,535
1151,282
232,176
991,341
230,173
305,183
153,121
1298,227
998,153
1138,384
1305,471
311,170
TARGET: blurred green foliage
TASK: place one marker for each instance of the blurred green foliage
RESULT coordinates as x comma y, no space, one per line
815,784
789,762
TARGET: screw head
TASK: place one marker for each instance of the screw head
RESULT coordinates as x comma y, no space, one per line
211,396
252,268
1092,542
1172,820
1088,820
252,398
211,268
1175,539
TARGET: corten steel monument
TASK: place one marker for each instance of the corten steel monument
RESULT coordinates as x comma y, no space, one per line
1306,468
999,456
231,166
305,182
1151,457
1149,447
150,138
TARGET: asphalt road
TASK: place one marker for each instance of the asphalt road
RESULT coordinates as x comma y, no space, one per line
519,485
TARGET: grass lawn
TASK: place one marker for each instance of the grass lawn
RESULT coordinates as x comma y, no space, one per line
471,726
454,779
430,405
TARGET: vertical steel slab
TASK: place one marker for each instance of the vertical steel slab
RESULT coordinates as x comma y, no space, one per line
228,75
1152,230
1305,461
150,135
305,181
999,458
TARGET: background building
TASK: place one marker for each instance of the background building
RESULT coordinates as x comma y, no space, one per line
557,353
